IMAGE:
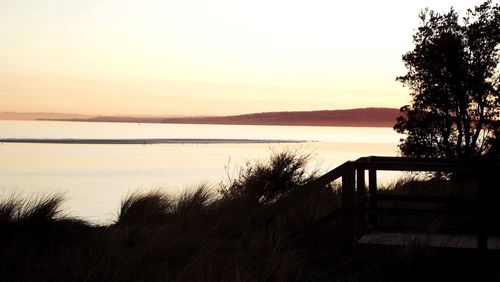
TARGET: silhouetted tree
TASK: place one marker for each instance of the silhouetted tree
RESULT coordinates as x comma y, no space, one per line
454,82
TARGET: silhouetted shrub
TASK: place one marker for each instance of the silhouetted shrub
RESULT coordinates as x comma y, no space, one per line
264,183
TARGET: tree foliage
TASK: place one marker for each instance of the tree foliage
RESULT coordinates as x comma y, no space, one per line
454,82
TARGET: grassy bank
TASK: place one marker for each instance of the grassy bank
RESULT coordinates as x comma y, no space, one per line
199,236
214,236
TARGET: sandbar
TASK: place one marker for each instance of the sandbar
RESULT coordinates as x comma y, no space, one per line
148,141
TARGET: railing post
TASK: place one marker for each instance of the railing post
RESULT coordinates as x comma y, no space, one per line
372,205
360,187
360,202
348,202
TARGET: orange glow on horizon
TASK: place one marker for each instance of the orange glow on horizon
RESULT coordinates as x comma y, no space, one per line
204,58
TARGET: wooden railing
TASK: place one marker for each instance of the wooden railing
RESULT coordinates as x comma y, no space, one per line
480,207
360,208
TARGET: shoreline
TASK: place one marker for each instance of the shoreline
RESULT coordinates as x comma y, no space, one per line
148,141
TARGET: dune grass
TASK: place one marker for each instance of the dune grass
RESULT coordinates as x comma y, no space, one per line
204,234
34,209
200,235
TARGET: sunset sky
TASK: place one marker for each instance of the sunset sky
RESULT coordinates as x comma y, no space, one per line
205,57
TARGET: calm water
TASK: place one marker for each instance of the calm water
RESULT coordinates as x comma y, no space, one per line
95,178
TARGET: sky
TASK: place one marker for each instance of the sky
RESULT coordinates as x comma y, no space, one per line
201,57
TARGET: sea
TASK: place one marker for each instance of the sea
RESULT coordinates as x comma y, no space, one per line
95,178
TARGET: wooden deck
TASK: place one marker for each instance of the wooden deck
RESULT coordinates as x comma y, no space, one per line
458,241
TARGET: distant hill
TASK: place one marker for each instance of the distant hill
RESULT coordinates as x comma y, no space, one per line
40,115
370,117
